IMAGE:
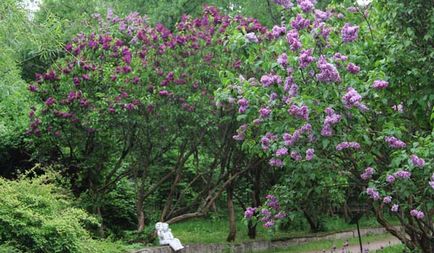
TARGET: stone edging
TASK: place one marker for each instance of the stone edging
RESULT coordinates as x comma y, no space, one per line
260,245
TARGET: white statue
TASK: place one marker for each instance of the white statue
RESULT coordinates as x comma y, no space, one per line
166,237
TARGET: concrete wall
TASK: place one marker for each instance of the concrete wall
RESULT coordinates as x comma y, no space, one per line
261,245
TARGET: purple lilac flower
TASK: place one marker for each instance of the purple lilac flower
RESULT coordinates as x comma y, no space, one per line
250,211
273,202
306,5
300,23
274,162
394,208
264,112
280,215
244,104
352,98
293,40
265,143
164,93
289,139
269,224
338,57
352,9
387,200
50,101
328,72
251,37
324,30
278,31
418,162
309,154
32,88
373,193
284,3
282,60
281,152
417,214
331,119
347,145
299,111
380,84
399,108
367,174
353,68
240,133
322,16
270,79
349,33
395,142
296,156
431,183
390,179
305,58
403,174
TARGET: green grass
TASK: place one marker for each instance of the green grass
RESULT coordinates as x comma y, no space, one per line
392,249
328,244
215,229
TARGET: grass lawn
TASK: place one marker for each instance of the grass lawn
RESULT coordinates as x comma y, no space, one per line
215,229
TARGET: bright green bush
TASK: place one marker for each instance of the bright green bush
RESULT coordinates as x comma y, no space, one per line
35,216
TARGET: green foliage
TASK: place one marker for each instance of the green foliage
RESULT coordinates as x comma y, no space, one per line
36,216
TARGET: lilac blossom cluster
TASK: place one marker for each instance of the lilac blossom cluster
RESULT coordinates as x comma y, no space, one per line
330,120
367,174
373,193
270,79
284,3
417,161
346,145
250,212
353,99
402,174
309,154
349,33
306,5
300,23
270,213
266,140
293,40
328,72
353,68
394,142
301,112
244,104
394,208
240,133
380,84
278,31
417,214
282,60
387,200
251,37
305,58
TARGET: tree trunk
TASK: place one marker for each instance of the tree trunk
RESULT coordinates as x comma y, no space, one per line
231,214
313,223
256,199
139,207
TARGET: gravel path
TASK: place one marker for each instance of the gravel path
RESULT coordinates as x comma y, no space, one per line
368,247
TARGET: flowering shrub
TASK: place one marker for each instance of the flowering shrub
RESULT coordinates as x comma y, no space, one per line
319,94
270,214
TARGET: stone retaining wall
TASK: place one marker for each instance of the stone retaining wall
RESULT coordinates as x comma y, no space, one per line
261,245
